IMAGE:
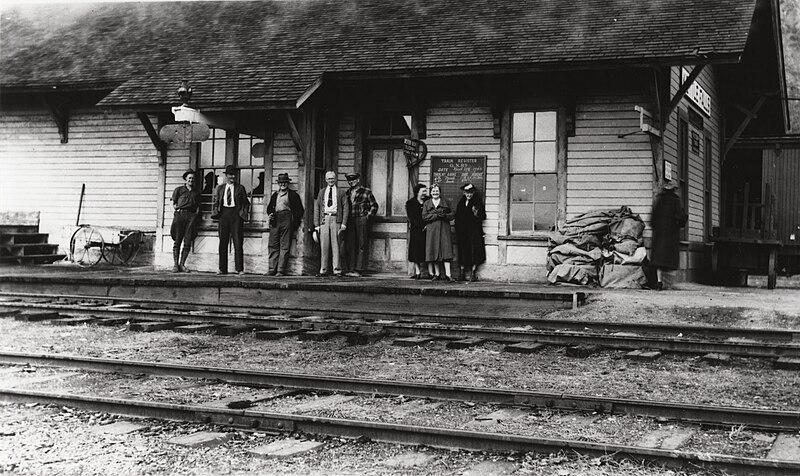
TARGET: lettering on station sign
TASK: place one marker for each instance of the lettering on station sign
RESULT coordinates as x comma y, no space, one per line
697,94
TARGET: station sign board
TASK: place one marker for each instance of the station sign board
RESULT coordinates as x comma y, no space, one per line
697,94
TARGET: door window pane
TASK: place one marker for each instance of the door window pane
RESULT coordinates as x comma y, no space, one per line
521,217
545,214
546,125
399,184
523,126
522,188
522,157
545,188
545,157
379,178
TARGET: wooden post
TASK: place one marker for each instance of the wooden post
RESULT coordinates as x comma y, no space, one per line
772,277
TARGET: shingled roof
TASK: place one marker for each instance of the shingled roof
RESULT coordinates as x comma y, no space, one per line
270,52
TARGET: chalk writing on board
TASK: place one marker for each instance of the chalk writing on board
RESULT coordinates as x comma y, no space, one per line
452,172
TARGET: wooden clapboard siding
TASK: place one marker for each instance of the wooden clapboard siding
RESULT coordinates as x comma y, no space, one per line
109,152
603,170
466,128
346,148
712,125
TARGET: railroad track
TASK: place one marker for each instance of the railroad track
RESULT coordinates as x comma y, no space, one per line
759,343
430,435
771,420
163,309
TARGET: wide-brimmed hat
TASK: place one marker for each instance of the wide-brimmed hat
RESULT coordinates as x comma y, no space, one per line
350,177
670,185
468,187
284,178
188,171
230,170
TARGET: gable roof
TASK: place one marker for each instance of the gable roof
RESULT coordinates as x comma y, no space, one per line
271,52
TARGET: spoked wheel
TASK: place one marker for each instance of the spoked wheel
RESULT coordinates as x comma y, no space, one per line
86,246
125,251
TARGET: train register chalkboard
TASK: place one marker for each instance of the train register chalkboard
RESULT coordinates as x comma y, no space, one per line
452,172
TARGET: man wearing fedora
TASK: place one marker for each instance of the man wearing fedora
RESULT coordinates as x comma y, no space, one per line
363,207
285,211
331,211
185,200
231,207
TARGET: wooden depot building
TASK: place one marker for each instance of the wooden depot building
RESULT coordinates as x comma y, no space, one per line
551,108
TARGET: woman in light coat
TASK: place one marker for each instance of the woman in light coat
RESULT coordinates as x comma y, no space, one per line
437,214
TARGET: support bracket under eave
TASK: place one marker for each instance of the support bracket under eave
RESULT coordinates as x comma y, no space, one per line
296,139
60,114
676,99
160,146
749,116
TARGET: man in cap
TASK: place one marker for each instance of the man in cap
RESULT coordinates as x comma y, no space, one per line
331,212
232,208
362,208
285,211
185,201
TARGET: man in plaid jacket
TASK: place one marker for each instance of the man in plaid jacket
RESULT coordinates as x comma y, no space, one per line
362,208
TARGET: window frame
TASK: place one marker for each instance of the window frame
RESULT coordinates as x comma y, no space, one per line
231,157
559,170
392,143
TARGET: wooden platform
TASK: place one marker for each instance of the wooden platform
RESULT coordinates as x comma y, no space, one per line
382,293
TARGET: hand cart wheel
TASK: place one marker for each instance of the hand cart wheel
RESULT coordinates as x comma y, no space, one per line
86,246
125,251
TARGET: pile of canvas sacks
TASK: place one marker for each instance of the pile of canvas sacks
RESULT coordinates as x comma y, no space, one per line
602,247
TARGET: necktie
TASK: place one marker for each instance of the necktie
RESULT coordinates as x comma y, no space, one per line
228,196
330,196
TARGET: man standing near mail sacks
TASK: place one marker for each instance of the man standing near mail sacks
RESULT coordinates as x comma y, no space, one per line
285,211
363,207
232,208
331,211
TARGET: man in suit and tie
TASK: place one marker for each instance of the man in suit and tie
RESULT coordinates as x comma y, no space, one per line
331,211
232,208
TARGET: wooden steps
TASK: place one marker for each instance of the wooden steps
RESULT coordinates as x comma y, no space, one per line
21,243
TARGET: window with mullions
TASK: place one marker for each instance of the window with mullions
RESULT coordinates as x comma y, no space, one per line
249,160
387,170
211,167
532,171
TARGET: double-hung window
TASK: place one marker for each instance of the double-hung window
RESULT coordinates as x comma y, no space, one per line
533,171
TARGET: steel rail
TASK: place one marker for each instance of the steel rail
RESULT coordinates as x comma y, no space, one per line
774,420
268,315
397,433
442,331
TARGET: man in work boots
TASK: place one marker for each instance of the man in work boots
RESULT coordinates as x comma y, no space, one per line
186,201
232,207
363,207
285,211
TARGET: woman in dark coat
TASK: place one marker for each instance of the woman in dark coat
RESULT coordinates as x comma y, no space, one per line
437,213
416,235
470,214
667,220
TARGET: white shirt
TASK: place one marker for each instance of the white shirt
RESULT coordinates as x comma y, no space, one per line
330,192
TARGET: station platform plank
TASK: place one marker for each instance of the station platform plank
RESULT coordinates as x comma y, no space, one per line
371,293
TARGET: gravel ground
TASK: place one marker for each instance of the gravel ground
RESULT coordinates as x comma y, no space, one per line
608,429
49,440
46,440
687,379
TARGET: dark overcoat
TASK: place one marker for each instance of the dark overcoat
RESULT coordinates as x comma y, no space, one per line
667,220
416,234
469,231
